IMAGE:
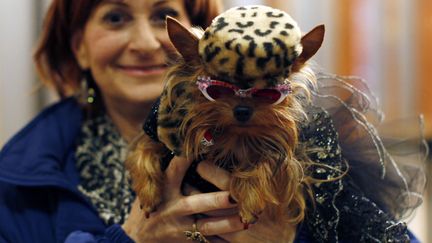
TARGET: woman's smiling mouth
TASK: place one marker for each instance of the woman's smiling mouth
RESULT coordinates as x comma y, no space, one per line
141,70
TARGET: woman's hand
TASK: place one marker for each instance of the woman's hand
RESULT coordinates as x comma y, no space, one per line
177,212
265,230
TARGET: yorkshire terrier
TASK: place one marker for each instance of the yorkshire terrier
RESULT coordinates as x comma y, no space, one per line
231,100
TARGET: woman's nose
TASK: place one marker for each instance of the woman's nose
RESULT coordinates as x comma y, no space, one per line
144,38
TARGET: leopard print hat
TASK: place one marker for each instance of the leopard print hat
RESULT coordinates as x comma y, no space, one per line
250,43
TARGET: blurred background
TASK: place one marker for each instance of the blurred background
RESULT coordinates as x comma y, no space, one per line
387,42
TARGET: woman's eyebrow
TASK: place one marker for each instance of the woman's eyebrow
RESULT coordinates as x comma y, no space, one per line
160,2
117,2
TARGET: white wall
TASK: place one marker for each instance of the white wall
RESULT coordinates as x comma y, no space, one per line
232,3
17,31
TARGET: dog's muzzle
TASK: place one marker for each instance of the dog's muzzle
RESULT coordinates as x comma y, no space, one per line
242,113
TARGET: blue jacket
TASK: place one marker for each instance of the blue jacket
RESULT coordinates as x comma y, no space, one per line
39,200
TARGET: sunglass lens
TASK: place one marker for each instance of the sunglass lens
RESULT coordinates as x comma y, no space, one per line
218,91
267,95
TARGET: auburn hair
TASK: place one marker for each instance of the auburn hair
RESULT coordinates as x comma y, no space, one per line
54,58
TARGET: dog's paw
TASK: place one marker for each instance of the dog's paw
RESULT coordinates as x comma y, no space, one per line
149,202
147,210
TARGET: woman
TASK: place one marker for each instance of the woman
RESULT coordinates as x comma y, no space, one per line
62,176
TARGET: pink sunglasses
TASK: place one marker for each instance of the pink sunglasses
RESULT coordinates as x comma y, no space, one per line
215,89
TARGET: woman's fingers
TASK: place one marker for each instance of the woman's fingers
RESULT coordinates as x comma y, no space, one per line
201,203
215,175
135,218
220,225
175,172
190,190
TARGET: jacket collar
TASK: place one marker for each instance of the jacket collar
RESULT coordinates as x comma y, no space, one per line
37,155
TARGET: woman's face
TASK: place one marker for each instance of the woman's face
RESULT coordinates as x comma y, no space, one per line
125,45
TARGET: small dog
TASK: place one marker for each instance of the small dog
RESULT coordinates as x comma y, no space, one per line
231,100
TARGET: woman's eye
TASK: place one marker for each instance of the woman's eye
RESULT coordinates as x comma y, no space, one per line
115,18
159,16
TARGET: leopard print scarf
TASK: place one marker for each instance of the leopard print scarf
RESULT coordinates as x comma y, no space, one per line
100,157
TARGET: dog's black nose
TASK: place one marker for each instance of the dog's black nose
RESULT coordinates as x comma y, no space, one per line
242,113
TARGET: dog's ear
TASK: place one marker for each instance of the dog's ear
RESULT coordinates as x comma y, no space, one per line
311,42
183,40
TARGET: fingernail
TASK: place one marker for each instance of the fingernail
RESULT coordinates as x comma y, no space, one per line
231,200
245,226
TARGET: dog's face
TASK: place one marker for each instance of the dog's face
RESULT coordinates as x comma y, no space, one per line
250,137
245,126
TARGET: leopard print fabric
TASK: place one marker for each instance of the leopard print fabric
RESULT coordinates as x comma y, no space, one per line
100,156
246,44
